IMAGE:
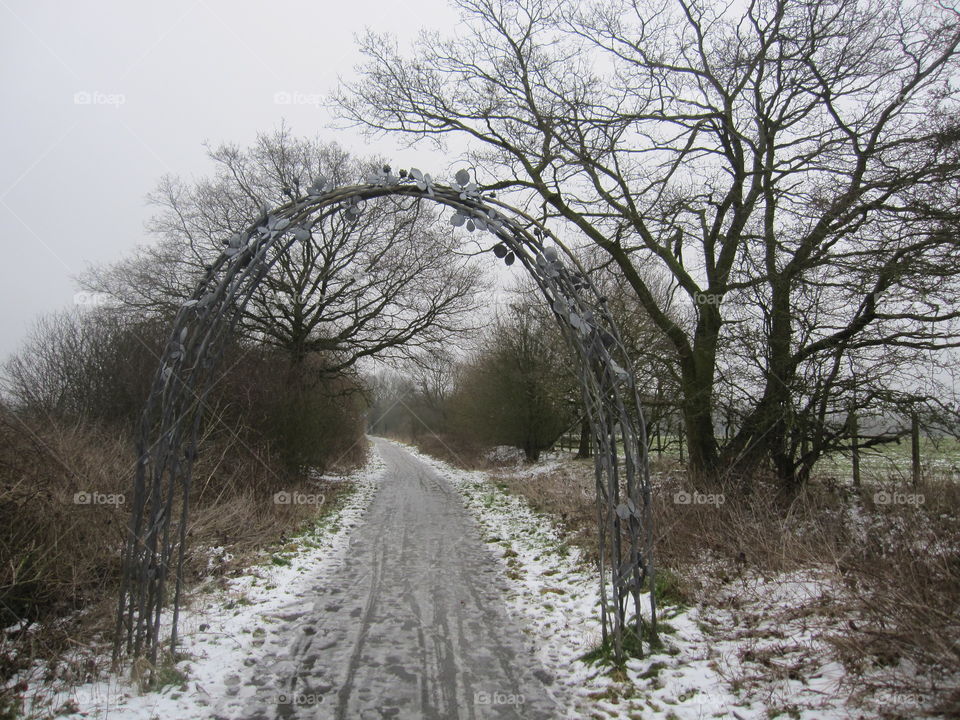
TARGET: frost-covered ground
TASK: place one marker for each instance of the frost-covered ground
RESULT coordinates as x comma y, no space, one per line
557,596
221,630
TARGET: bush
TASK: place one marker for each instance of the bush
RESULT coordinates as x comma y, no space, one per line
519,389
84,365
60,544
294,412
67,459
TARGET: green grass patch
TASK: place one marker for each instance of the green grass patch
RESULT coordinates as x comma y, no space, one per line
668,589
634,646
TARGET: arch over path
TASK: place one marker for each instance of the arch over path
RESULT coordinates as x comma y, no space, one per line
169,425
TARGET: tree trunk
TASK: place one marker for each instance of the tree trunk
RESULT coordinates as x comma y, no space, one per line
531,452
855,446
697,377
586,447
763,439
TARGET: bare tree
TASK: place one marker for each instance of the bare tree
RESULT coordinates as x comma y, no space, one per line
518,388
655,362
790,166
385,282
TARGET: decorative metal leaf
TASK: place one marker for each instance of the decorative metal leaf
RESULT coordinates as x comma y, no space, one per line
510,258
462,177
500,250
617,369
457,220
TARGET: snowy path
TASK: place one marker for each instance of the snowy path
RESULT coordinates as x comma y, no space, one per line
411,625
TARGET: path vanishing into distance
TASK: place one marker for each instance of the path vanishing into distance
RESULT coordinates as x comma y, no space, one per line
411,625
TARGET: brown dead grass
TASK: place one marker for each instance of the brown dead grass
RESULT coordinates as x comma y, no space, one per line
453,449
60,560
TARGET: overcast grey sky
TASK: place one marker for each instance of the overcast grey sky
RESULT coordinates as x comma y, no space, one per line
102,98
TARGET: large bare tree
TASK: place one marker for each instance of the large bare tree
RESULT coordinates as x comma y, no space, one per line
385,281
789,166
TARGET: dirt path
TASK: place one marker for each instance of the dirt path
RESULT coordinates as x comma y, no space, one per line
411,625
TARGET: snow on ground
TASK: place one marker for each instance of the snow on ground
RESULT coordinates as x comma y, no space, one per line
756,653
759,649
778,644
504,456
753,654
223,630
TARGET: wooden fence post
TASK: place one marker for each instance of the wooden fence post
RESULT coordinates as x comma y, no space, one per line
855,445
680,438
915,446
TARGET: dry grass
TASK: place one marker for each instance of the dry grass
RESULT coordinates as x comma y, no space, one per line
60,559
894,622
451,448
567,494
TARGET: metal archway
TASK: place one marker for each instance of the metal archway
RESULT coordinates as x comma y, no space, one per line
167,439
